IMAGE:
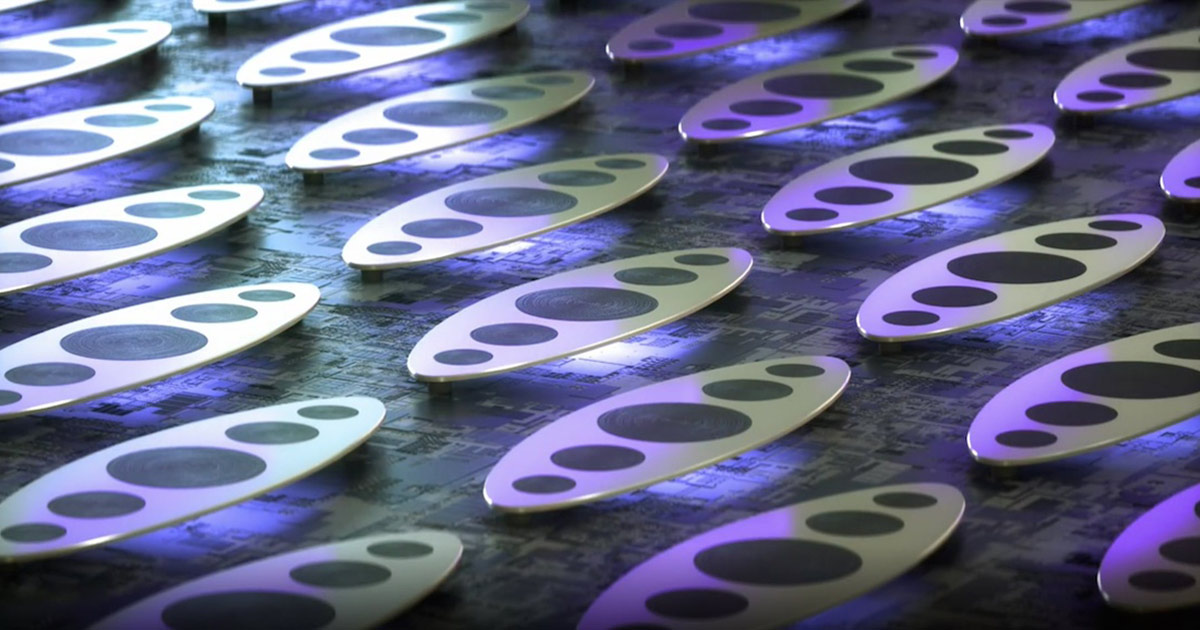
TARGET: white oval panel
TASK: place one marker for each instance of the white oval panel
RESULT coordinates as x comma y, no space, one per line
435,119
367,42
1154,564
778,567
661,431
1091,399
1142,73
237,6
355,584
574,311
1006,275
52,55
9,5
39,147
178,474
1181,178
86,239
132,346
689,27
905,176
500,208
1000,18
814,91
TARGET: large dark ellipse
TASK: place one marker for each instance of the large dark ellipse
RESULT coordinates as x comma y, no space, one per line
743,12
52,142
777,562
822,85
1016,267
260,610
96,504
697,603
133,342
598,457
913,170
510,201
1168,59
86,235
185,467
1138,380
340,574
854,523
445,113
1071,413
31,60
673,423
586,304
386,36
954,296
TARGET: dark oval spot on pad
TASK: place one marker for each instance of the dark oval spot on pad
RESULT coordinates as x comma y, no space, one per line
266,295
270,610
910,318
1135,80
1071,413
508,92
597,457
576,177
811,214
1168,59
32,60
96,504
379,136
444,113
271,433
745,389
954,296
586,304
970,147
1179,348
185,467
1076,241
393,248
510,202
120,120
765,107
1139,380
777,562
441,228
854,523
386,35
1016,267
1182,550
822,85
324,56
515,334
32,532
133,342
688,30
673,422
1025,438
742,12
18,262
400,549
88,235
340,574
327,412
49,374
164,210
853,195
697,603
213,313
795,370
462,357
1161,581
52,142
905,500
878,65
913,171
543,484
656,276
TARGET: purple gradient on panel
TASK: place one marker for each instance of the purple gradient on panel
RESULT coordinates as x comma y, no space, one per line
1139,550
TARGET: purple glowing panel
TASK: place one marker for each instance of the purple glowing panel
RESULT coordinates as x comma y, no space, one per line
10,5
237,6
1154,564
1006,275
660,431
128,347
39,147
1092,399
782,566
497,209
810,92
1181,178
368,42
52,55
689,27
355,584
575,311
179,473
1002,18
903,177
435,119
1143,73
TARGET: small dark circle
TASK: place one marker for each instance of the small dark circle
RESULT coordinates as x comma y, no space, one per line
598,457
970,147
688,30
910,318
743,12
701,260
1168,59
50,374
1076,241
1182,550
853,195
82,42
673,422
445,113
386,36
32,532
185,467
269,610
52,142
393,248
656,276
586,304
96,504
1037,6
765,107
552,79
746,389
650,45
340,574
17,262
777,562
543,484
400,549
32,60
271,433
822,85
167,107
281,71
1008,134
327,412
697,603
1071,413
462,357
725,124
1016,267
515,334
878,65
164,210
120,120
795,370
1139,380
620,164
1112,225
905,500
1179,348
854,523
8,397
954,296
1024,438
811,214
913,171
1004,20
1161,581
450,17
576,177
88,235
1099,96
333,154
915,53
266,295
1135,80
509,92
213,313
214,195
510,201
133,342
441,228
6,165
324,56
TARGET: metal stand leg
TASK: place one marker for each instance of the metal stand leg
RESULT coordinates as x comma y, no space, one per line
889,347
262,96
372,276
440,389
191,136
314,179
217,23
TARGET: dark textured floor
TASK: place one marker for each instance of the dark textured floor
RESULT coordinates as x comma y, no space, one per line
1027,552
